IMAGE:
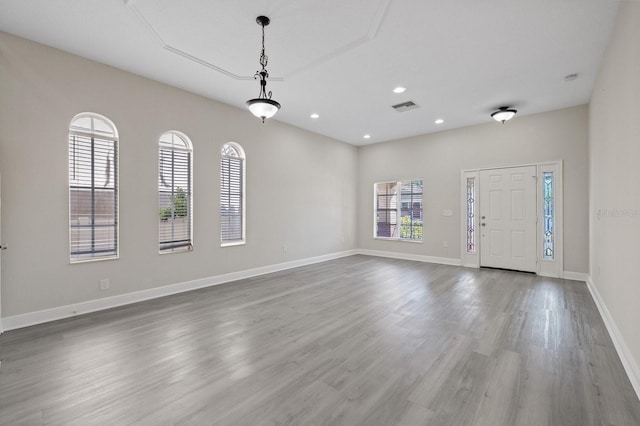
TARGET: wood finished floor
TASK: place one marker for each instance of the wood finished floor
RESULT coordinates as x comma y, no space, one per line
355,341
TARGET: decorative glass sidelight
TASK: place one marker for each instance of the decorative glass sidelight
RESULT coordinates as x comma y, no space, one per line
548,215
471,210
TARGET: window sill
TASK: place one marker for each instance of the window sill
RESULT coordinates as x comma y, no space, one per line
176,250
233,243
402,240
98,259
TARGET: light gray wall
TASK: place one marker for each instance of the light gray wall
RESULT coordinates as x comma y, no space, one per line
300,185
614,147
304,190
438,158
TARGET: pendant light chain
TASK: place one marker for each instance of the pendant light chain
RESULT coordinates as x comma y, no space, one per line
263,58
263,75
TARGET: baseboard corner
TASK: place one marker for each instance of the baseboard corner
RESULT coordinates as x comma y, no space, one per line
575,276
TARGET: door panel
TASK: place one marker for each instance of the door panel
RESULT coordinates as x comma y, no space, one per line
508,218
496,242
494,205
517,205
518,245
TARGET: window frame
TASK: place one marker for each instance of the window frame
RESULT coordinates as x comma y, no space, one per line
243,221
187,247
399,209
93,135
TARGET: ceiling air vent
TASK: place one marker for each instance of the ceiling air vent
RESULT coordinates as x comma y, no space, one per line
405,106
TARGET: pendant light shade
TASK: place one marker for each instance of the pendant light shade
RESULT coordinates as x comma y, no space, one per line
263,106
504,114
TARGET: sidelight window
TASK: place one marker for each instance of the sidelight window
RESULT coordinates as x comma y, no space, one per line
548,215
471,214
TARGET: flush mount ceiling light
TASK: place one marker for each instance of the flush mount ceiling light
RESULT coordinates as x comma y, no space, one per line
399,89
367,136
439,121
263,106
504,114
314,116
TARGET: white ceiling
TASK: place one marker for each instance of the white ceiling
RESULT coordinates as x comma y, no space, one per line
459,59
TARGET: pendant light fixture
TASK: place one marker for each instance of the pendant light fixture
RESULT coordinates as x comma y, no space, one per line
504,114
263,106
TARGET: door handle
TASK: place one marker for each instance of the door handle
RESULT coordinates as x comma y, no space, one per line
483,224
3,247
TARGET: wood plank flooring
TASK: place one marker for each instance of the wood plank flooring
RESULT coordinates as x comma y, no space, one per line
354,341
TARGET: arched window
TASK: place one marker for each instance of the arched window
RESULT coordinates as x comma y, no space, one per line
174,192
93,188
232,194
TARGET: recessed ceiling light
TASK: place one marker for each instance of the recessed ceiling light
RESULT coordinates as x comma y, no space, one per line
570,77
399,89
367,136
439,121
314,115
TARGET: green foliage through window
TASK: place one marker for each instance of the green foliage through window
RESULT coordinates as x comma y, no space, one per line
180,206
410,229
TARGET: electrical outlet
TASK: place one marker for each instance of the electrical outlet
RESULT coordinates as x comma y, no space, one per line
445,244
104,284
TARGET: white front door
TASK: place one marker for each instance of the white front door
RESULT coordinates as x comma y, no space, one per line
508,218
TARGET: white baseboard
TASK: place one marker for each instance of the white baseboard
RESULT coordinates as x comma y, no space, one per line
628,361
576,276
415,257
61,312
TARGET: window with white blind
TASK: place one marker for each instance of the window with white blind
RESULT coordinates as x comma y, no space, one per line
398,210
93,188
232,194
174,193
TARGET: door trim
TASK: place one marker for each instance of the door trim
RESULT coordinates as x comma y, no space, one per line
545,267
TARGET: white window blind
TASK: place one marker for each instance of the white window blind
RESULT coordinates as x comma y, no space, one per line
387,209
93,188
232,212
398,210
174,192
